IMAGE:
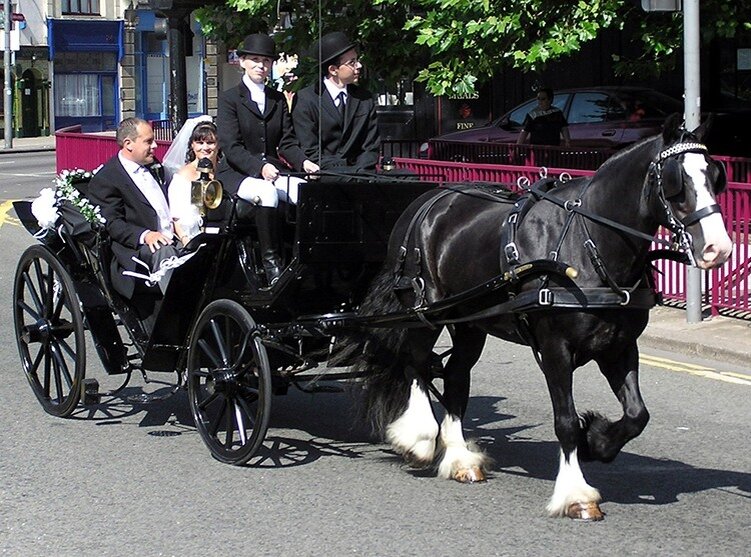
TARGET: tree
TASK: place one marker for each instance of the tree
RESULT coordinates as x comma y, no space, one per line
455,45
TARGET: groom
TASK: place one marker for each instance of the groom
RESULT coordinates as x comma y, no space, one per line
132,198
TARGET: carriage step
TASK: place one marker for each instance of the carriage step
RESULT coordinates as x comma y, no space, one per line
90,392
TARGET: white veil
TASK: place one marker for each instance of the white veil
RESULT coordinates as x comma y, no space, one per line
174,159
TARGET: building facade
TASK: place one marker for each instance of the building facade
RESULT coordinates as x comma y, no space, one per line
94,62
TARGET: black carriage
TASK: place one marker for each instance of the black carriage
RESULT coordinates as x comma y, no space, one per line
231,341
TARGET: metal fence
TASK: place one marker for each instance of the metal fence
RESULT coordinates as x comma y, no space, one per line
726,290
87,151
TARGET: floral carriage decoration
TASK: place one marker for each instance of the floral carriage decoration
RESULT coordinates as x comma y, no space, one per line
65,206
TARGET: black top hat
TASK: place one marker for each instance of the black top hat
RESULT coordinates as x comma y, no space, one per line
258,44
330,46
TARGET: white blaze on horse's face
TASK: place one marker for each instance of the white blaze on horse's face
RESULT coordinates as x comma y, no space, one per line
717,243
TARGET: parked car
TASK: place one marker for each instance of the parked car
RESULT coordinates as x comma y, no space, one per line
600,117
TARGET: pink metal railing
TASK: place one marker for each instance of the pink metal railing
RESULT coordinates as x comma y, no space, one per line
725,289
87,151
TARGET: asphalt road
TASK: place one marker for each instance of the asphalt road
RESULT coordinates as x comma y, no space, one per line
135,479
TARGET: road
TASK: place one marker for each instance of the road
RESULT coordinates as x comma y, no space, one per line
133,478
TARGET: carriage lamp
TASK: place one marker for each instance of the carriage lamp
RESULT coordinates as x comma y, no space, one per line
205,193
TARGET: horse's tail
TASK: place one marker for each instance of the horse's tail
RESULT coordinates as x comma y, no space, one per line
376,353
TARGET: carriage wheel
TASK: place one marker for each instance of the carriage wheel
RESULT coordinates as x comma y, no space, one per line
49,331
229,382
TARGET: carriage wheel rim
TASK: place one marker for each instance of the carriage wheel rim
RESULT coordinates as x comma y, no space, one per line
46,315
230,399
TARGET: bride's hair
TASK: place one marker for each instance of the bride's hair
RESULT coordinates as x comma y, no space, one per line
202,132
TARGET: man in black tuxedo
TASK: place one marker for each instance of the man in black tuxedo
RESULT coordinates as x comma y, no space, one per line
131,194
335,119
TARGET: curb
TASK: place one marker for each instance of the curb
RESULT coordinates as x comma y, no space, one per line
693,348
25,150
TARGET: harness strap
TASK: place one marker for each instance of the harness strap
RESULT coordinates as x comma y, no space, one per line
696,216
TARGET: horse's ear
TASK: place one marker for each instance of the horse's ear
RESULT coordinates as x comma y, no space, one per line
721,181
671,127
703,129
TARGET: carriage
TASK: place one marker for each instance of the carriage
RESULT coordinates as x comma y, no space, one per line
230,339
386,263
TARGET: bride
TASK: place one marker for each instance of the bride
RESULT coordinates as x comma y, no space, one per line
196,140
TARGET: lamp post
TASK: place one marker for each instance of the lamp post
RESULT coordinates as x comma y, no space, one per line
176,13
8,84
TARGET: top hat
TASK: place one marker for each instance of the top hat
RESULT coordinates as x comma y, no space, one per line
258,44
330,46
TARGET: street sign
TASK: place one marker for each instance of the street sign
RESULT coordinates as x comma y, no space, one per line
661,5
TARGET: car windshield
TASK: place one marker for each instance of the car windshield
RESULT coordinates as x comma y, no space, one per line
516,116
584,107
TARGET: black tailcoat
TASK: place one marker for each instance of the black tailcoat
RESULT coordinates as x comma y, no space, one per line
355,144
249,139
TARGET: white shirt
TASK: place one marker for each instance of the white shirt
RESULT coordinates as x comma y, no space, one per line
334,92
150,189
257,92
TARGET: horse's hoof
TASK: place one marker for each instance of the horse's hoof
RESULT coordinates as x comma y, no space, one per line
587,511
470,475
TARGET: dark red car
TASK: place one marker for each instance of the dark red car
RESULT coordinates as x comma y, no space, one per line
602,117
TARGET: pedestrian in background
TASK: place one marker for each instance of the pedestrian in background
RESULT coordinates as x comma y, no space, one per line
545,124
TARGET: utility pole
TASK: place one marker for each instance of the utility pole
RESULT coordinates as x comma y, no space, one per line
692,99
8,83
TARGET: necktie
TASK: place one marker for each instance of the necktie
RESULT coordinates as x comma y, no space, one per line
342,107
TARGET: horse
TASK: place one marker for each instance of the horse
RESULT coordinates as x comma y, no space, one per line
598,232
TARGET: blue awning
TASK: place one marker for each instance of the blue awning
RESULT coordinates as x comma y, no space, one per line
75,35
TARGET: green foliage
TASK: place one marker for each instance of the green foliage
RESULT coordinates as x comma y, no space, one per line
454,46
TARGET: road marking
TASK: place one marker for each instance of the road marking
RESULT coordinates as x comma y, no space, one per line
693,369
6,206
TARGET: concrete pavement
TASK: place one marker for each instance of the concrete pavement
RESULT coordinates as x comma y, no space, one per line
726,339
29,144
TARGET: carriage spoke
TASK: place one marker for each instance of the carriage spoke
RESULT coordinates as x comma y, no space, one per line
34,367
215,426
34,314
66,347
220,343
57,376
248,412
230,423
240,423
47,370
209,353
60,359
49,293
35,295
207,401
249,392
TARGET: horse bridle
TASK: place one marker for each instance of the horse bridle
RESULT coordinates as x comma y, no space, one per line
682,238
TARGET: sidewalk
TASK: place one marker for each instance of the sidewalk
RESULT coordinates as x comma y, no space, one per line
726,339
29,144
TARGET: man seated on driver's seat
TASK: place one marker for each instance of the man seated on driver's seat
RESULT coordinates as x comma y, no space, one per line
132,199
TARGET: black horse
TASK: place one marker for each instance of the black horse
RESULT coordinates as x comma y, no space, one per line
593,307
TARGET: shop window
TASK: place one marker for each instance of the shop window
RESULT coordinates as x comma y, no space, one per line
86,7
84,95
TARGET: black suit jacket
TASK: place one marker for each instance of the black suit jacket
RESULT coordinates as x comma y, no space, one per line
128,214
356,143
249,139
